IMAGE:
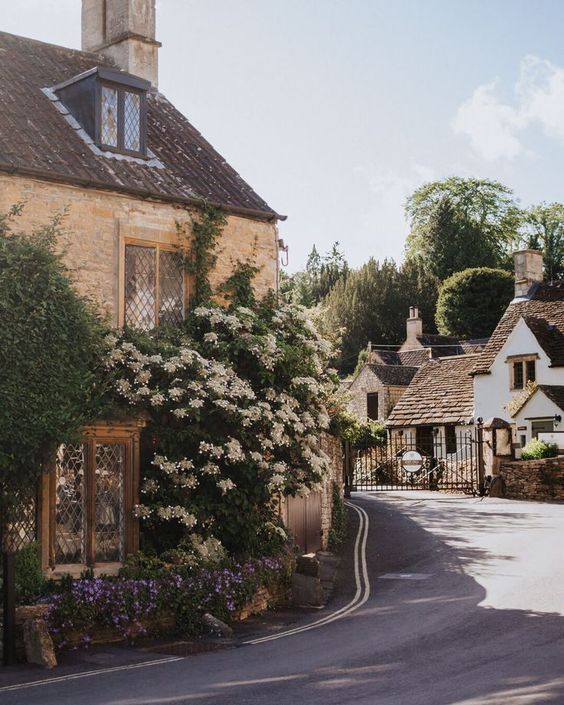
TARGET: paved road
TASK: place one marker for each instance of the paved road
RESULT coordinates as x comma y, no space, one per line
466,607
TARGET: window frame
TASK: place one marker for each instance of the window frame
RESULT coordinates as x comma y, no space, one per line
126,433
525,362
371,397
451,441
158,246
121,89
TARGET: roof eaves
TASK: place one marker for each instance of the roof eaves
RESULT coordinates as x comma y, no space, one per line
141,193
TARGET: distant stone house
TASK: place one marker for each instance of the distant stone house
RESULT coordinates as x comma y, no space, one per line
437,407
385,377
89,132
519,377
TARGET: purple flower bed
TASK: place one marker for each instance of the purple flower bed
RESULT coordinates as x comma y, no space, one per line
127,606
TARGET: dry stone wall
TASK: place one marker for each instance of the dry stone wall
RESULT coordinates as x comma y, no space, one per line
540,480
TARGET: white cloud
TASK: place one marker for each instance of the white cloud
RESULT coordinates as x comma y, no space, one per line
495,128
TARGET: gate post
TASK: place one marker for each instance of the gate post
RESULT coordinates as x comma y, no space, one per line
480,449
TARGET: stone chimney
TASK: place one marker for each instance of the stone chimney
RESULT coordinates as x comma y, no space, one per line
414,327
528,271
124,31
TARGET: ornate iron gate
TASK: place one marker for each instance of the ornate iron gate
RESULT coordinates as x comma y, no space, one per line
405,463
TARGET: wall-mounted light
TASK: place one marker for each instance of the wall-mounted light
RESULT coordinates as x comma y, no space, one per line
557,419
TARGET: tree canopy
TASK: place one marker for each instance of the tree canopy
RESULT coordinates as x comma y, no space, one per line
311,285
467,222
372,304
49,343
471,302
543,229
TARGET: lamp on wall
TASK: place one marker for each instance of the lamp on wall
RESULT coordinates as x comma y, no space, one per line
557,419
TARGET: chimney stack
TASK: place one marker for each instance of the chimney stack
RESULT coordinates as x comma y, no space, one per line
528,271
414,326
123,31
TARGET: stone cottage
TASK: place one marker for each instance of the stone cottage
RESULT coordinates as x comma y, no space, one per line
89,133
382,381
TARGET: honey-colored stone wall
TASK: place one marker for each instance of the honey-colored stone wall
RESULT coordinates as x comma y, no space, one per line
98,223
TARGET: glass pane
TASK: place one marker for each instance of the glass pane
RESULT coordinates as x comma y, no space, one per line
518,375
140,286
531,371
109,502
171,287
131,112
109,132
70,509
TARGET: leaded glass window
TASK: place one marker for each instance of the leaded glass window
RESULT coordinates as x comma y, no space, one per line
109,482
131,128
109,127
93,492
154,286
70,511
122,119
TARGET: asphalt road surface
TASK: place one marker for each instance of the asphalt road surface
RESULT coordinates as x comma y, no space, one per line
460,601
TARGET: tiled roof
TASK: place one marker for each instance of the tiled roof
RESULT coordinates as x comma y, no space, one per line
441,392
399,375
440,345
543,312
36,140
414,357
386,357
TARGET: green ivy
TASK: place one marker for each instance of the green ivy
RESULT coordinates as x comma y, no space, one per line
199,250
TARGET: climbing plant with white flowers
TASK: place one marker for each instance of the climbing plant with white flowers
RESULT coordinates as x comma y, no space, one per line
237,400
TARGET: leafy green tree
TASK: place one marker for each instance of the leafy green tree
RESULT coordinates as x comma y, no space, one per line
543,229
454,242
371,304
471,302
310,286
481,215
50,341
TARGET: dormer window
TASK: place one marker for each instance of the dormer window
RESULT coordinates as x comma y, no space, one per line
111,106
121,119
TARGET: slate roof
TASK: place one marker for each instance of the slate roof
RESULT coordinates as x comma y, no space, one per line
398,375
543,313
442,392
36,140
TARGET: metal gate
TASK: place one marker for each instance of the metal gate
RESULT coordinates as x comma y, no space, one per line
418,462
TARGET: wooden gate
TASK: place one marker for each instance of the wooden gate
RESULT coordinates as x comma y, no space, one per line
303,518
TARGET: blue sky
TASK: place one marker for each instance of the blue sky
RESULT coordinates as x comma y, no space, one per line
335,110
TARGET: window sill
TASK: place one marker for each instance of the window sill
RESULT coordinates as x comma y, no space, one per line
75,570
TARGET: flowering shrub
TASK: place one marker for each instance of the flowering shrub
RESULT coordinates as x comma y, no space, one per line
129,605
236,399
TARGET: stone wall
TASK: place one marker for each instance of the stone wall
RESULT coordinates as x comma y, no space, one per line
334,449
540,480
98,223
366,382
